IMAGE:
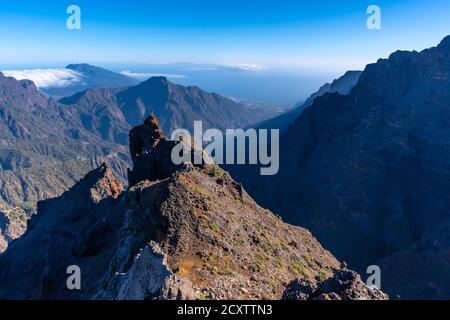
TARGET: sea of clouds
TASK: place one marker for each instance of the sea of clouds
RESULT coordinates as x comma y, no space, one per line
146,75
47,78
251,67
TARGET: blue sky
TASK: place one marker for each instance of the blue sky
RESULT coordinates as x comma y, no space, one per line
322,34
317,37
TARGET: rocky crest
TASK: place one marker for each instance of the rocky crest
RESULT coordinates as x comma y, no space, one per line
343,285
150,152
368,174
192,233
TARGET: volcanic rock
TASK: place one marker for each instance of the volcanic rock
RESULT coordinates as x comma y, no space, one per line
194,234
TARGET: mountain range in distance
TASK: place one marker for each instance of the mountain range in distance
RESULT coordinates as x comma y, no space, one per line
271,84
343,85
176,106
47,145
363,166
240,83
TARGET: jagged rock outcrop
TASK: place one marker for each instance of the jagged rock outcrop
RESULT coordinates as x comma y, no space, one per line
149,277
368,174
194,234
150,152
343,285
78,228
178,288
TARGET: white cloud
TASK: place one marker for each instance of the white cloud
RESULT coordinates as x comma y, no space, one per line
47,78
146,75
251,67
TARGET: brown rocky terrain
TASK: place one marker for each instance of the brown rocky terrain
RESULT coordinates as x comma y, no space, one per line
187,233
343,285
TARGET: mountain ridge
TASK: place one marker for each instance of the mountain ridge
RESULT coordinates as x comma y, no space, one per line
189,233
369,171
43,149
342,85
176,106
46,146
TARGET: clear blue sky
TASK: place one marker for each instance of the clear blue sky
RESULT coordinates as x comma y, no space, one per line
315,35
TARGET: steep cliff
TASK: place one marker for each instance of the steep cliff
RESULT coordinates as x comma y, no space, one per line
368,174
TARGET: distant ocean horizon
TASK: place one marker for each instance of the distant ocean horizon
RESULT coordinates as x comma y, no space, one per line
255,83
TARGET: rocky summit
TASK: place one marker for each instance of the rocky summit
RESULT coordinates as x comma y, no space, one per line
190,232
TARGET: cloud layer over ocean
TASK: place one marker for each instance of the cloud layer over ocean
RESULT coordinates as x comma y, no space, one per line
47,78
146,75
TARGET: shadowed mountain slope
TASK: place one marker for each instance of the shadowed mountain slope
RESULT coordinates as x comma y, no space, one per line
192,233
44,148
368,174
342,85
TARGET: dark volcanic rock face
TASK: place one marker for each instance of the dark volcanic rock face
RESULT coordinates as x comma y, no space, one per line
194,234
368,172
77,228
343,85
150,153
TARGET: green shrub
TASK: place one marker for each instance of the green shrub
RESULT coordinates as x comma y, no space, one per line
321,277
